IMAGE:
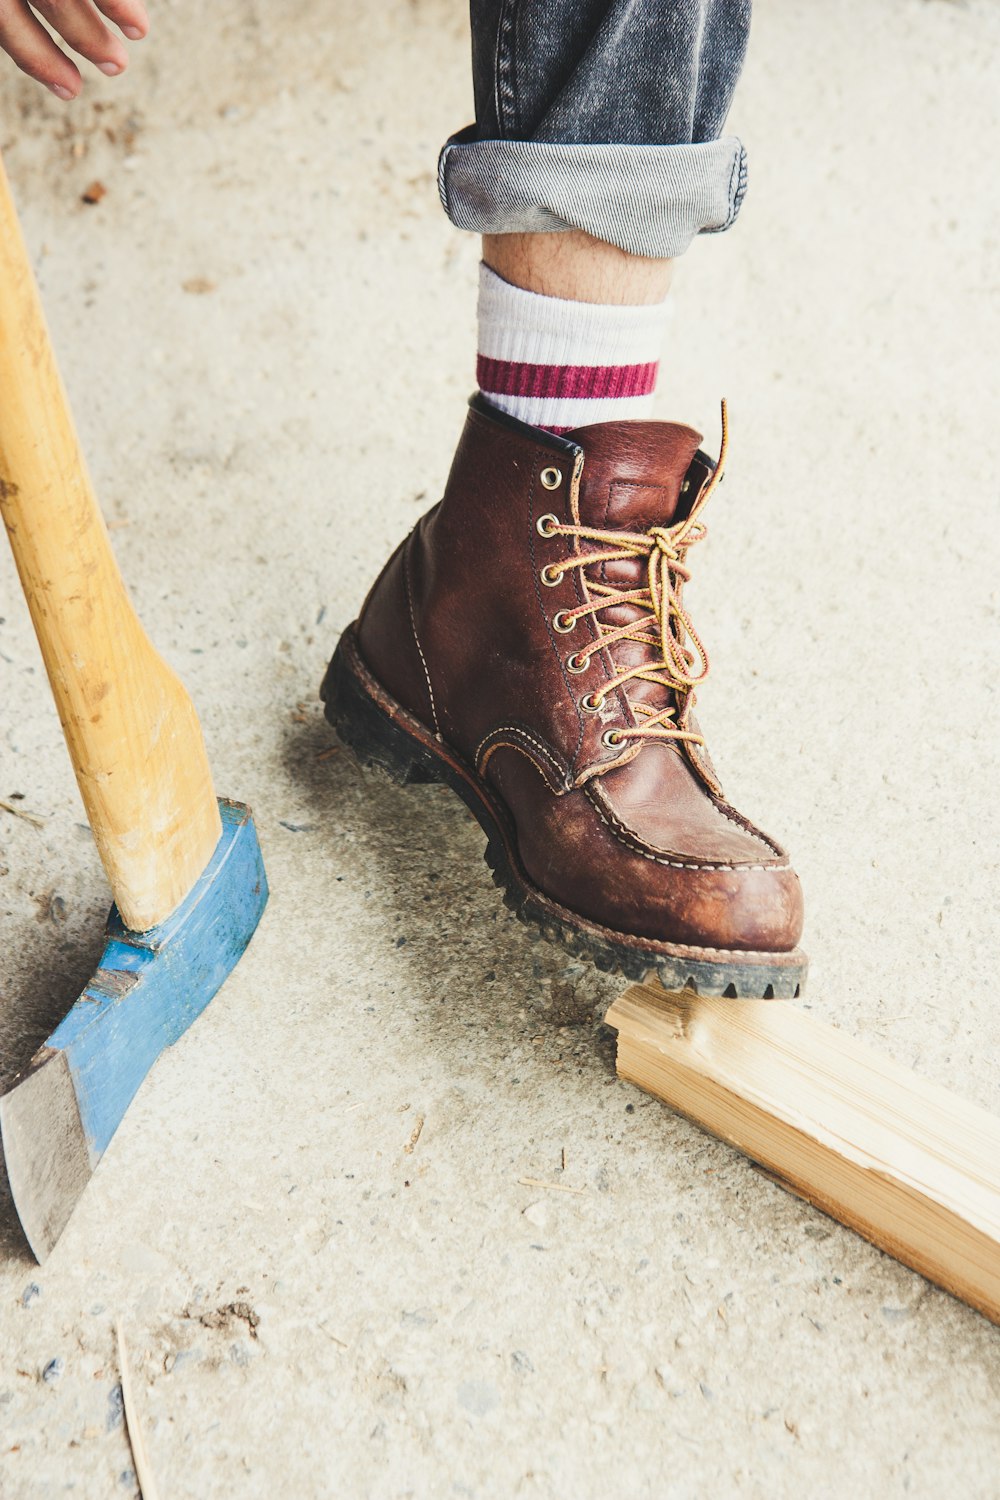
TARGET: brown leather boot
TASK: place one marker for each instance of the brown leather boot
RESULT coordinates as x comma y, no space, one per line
528,646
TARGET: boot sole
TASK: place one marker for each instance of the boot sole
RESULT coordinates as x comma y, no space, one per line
384,737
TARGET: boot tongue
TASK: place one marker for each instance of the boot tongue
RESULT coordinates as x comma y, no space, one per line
632,478
633,472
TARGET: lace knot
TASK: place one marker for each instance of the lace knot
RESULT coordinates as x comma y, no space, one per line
664,542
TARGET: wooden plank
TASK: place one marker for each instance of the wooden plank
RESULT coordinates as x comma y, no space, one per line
896,1158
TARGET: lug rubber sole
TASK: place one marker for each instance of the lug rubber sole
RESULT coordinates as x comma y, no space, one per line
384,737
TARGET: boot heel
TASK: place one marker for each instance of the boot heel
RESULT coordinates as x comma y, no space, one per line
368,732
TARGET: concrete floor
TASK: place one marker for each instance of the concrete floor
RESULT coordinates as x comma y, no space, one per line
267,326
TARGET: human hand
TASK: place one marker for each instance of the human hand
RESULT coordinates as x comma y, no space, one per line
78,23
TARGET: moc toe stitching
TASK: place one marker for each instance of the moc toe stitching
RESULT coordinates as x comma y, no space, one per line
781,860
637,845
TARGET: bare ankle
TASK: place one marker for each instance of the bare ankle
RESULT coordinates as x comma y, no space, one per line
577,267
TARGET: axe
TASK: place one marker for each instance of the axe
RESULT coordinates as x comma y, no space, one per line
185,868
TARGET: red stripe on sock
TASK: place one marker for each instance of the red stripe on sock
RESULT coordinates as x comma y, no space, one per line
506,377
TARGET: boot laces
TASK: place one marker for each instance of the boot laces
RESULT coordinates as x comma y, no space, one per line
680,662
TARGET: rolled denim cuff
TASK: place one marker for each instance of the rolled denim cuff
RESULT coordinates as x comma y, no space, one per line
649,200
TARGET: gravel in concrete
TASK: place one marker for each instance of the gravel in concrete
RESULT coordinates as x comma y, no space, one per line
313,1223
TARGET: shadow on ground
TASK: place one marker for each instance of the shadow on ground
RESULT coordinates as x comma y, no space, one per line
392,832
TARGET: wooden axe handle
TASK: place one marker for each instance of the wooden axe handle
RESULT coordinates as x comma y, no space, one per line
132,732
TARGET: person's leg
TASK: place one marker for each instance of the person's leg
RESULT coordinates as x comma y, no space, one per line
570,328
528,644
576,267
604,116
583,98
561,362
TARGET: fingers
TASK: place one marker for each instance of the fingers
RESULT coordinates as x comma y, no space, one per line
80,26
128,15
34,51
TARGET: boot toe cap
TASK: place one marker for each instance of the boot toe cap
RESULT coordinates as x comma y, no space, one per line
575,848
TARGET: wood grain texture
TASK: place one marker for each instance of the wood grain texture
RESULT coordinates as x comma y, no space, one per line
132,732
905,1163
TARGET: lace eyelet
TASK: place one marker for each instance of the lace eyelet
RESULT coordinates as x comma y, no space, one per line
551,478
591,703
612,738
550,576
546,525
578,662
561,623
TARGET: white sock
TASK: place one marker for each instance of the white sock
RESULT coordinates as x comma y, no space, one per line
560,365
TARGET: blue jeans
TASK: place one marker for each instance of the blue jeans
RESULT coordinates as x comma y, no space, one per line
601,115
